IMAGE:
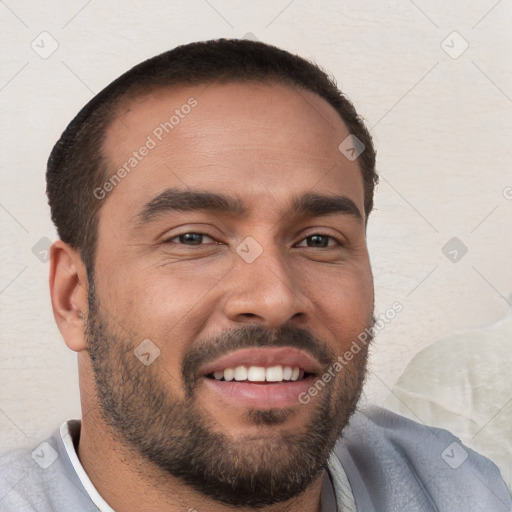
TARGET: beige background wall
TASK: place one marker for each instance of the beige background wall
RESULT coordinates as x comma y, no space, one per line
440,113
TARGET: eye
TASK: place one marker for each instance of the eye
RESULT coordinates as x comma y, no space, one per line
319,241
190,239
316,240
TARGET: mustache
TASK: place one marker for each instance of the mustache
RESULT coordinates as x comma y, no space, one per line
253,336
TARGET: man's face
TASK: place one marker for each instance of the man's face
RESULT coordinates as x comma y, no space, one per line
268,277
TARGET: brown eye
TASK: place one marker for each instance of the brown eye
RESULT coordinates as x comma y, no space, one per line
318,241
190,239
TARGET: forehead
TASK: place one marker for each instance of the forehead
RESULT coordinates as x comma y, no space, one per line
249,139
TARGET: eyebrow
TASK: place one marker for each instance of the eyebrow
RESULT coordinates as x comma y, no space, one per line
178,200
316,205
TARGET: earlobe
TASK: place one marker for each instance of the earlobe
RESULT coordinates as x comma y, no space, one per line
69,290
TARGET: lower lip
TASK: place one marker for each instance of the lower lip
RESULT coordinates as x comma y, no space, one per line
260,395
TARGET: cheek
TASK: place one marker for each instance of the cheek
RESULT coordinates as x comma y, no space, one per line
167,304
181,291
343,299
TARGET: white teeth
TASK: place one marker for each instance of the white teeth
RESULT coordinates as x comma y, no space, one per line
240,373
274,374
256,374
277,373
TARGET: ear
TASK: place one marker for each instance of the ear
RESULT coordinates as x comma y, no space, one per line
69,291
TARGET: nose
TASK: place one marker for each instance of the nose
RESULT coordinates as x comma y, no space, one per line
266,291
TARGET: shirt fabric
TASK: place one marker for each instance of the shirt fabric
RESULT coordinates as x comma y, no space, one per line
383,462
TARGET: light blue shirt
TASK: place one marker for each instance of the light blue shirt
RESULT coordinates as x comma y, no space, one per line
382,463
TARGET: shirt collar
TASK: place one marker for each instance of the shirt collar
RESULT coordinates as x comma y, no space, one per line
67,435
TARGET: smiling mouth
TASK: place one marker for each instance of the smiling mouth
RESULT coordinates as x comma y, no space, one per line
260,374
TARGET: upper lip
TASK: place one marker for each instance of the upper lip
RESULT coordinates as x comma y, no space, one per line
271,356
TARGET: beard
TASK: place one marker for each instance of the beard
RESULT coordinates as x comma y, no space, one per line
178,436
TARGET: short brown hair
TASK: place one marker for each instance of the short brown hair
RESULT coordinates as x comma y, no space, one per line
76,165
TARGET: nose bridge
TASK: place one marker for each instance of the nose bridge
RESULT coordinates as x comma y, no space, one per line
266,287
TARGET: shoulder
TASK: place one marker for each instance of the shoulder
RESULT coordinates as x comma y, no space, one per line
40,479
22,481
403,461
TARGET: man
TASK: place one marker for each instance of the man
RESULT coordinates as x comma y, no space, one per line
212,274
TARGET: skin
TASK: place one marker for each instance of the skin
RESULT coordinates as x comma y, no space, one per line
177,294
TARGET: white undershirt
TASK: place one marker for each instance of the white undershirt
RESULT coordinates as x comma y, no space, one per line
342,489
95,496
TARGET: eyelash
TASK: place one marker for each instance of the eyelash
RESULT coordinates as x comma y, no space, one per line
325,235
